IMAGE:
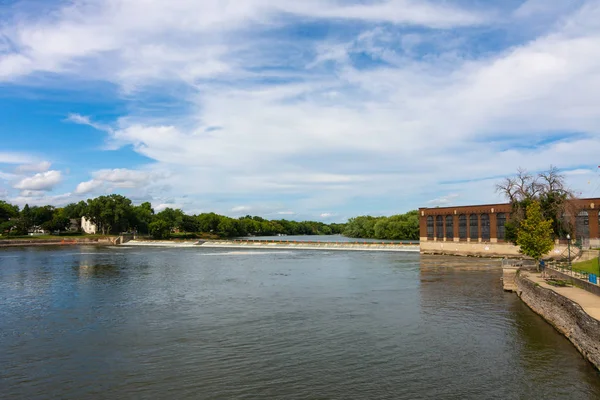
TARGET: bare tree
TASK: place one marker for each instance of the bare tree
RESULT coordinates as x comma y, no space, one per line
547,187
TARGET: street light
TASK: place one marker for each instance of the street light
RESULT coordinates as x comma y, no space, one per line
569,247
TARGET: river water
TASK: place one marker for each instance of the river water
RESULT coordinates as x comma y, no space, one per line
133,323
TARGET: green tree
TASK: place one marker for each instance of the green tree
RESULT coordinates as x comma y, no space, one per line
75,210
160,229
189,223
7,211
57,223
111,214
173,217
535,233
143,215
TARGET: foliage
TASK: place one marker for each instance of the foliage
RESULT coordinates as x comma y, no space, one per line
558,282
396,227
7,211
142,217
160,229
549,189
116,213
111,214
535,233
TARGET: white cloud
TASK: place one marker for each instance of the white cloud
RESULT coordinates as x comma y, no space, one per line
239,209
118,178
43,181
444,200
40,198
88,186
42,166
85,120
305,121
32,193
14,158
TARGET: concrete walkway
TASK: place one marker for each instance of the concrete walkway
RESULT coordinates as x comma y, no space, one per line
588,301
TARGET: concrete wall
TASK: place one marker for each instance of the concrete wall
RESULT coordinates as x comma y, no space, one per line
479,249
588,286
565,315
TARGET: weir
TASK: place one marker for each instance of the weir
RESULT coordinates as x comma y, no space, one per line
285,244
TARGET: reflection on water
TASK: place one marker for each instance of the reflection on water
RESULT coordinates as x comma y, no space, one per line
152,323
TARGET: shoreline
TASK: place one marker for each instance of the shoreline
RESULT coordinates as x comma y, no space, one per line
572,311
58,242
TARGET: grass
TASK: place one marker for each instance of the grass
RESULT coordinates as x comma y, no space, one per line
590,266
557,282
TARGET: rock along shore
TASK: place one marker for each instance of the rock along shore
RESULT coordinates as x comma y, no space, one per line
571,310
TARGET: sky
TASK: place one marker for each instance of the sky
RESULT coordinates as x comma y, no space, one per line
313,109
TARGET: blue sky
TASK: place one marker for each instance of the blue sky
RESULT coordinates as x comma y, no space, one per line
320,109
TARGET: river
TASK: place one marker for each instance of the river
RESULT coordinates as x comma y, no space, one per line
131,323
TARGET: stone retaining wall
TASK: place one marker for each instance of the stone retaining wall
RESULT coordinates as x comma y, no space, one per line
480,249
565,315
588,286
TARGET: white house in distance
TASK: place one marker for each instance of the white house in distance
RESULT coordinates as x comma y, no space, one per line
88,226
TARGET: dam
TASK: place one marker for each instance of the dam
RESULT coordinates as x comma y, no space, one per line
285,244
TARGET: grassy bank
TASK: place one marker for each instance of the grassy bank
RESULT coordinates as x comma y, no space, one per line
590,266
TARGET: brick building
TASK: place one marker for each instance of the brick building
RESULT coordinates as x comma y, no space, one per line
480,229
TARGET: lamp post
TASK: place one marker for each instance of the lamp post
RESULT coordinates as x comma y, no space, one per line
569,249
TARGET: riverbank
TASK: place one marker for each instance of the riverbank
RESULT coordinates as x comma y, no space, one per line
66,240
574,312
281,245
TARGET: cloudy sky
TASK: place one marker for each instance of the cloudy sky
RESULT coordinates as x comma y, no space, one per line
295,109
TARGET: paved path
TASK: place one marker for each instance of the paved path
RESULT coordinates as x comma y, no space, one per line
588,301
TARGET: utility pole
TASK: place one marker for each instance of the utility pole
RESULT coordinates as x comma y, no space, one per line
569,249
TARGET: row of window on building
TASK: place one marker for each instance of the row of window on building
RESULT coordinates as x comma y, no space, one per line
437,228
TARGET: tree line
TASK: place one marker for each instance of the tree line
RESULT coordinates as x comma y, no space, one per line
114,214
396,227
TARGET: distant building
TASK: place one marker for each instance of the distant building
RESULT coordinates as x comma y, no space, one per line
87,226
74,225
479,229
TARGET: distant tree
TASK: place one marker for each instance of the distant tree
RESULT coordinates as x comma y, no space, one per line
173,217
7,210
534,236
143,215
111,214
75,210
57,223
208,222
189,223
160,229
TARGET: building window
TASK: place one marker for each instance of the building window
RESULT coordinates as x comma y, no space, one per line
439,227
449,227
474,226
430,227
485,227
500,223
582,225
462,227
